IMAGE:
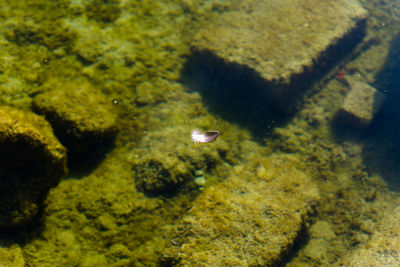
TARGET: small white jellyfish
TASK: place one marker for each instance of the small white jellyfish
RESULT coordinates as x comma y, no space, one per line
204,137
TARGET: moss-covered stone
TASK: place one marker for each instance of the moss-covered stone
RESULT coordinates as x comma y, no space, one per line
147,94
360,106
250,219
103,11
52,34
31,162
382,248
81,116
277,48
11,257
162,166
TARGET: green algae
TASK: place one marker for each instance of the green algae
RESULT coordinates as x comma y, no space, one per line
135,58
254,214
103,11
12,256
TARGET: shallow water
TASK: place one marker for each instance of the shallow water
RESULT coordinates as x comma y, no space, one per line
287,182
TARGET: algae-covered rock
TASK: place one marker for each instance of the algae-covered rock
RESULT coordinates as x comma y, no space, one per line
11,257
360,105
31,162
50,33
383,247
81,116
276,48
161,174
162,164
250,219
103,11
319,245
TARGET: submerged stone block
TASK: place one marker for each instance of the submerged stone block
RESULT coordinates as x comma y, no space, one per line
360,105
81,116
250,219
275,49
163,165
31,162
383,247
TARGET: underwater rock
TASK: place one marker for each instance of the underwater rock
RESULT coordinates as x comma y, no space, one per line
319,244
51,32
161,175
32,161
147,94
383,247
11,257
277,49
360,105
103,11
81,116
250,219
163,165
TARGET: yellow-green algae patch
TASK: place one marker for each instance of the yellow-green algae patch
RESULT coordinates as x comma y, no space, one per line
136,60
104,214
162,166
383,247
250,219
279,38
78,104
11,257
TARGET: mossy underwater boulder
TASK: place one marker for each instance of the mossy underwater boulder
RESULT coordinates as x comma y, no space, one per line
252,218
11,256
81,116
360,106
383,246
274,50
31,162
163,165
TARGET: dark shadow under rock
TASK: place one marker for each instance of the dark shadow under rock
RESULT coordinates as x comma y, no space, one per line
82,119
252,67
382,146
31,162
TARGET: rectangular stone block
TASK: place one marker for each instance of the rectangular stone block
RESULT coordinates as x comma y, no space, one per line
276,49
360,105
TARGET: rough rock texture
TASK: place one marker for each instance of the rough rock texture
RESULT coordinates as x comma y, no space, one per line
360,105
319,245
276,48
81,116
383,248
162,167
250,219
31,162
11,257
